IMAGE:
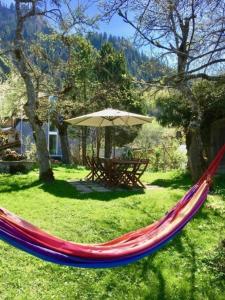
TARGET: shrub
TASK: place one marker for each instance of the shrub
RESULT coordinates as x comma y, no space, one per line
9,155
162,146
21,168
31,154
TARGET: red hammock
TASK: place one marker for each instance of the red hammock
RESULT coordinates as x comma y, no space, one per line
123,250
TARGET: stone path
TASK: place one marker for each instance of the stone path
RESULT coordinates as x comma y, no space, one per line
149,186
85,187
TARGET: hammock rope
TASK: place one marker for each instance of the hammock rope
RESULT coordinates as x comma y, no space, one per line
119,251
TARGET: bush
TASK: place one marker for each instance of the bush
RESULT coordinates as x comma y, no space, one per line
18,169
127,153
162,146
9,155
31,152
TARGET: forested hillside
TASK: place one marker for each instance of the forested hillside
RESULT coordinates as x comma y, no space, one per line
138,64
133,57
7,24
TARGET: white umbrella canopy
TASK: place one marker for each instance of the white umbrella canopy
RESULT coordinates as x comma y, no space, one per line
110,117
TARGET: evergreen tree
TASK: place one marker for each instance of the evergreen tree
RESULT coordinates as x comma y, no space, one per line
116,91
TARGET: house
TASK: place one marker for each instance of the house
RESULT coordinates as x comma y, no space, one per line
25,131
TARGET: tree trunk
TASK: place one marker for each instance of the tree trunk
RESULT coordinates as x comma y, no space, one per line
196,160
108,142
22,64
64,141
45,171
197,163
84,144
195,148
188,143
194,142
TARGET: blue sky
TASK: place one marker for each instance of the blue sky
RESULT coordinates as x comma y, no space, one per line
115,27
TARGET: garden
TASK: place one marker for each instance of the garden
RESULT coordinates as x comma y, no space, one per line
183,269
112,145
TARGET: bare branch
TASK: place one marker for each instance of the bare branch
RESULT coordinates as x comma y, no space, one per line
218,78
149,39
210,63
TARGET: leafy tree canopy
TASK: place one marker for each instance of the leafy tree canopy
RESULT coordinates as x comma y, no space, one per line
175,110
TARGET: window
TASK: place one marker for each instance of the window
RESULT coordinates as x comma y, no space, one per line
52,139
52,144
52,127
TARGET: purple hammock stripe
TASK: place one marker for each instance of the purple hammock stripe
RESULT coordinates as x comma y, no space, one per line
59,258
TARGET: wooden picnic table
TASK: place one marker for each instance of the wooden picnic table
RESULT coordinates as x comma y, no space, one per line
117,172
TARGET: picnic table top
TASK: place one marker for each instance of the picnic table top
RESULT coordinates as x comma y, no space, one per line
121,160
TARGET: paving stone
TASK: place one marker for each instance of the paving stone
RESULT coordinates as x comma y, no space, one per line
118,190
89,187
151,187
80,187
100,189
72,183
83,189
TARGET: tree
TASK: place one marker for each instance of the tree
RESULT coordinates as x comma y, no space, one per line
174,110
83,59
52,58
132,55
27,10
191,37
115,90
24,11
68,68
12,96
150,136
4,69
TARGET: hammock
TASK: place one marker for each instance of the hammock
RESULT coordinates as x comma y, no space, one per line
120,251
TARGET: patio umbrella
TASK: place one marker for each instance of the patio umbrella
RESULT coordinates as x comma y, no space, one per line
110,117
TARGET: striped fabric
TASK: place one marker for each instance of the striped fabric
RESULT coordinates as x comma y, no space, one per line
120,251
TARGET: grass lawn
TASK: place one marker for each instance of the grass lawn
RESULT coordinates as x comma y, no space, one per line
177,271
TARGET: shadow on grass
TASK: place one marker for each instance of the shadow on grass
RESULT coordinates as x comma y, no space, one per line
190,254
62,189
181,181
18,186
148,265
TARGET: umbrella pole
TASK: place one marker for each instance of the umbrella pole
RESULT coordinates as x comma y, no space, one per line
114,142
108,142
98,141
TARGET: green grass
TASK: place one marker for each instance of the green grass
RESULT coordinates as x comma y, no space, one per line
177,271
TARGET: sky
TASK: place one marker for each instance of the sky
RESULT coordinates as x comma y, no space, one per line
115,27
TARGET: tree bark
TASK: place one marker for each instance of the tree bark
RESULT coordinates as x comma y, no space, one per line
64,141
194,143
195,148
196,161
21,63
45,171
108,142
